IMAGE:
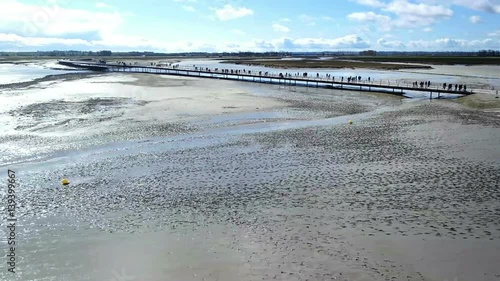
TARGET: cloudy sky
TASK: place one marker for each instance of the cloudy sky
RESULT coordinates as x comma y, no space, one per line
249,25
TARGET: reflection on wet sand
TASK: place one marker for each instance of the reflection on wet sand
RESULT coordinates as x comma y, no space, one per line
191,179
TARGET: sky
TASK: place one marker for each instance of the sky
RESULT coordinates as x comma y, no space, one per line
249,25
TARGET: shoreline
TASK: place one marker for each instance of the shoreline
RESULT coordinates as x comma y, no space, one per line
326,64
51,77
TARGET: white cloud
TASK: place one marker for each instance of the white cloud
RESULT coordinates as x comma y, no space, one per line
129,42
229,12
490,6
494,33
350,42
73,22
452,44
285,20
53,20
118,42
280,28
413,15
371,3
395,44
384,22
102,5
114,42
407,14
402,7
368,16
313,44
189,8
475,19
56,27
39,41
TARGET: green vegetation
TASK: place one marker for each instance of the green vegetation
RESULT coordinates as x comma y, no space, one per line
312,63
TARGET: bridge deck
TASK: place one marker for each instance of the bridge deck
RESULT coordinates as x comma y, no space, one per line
371,86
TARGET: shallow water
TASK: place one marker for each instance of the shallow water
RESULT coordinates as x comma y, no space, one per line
283,189
475,76
10,73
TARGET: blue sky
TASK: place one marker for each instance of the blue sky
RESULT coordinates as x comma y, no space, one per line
252,25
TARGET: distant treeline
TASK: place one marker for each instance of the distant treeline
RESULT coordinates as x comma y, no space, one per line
489,53
482,53
108,53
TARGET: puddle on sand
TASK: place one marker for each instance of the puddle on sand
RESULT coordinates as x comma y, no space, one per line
10,73
207,138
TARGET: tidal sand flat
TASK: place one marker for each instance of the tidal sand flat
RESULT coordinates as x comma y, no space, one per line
69,113
195,179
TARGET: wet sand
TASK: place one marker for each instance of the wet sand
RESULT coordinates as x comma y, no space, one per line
486,102
187,179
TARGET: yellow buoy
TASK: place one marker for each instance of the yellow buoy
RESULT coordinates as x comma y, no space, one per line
350,122
65,182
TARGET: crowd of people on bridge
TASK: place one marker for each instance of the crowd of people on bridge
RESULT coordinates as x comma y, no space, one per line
422,84
298,75
328,76
458,87
446,87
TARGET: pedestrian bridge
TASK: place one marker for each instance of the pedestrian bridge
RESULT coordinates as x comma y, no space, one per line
270,78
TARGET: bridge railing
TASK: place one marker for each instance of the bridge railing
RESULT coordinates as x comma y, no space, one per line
285,75
324,79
